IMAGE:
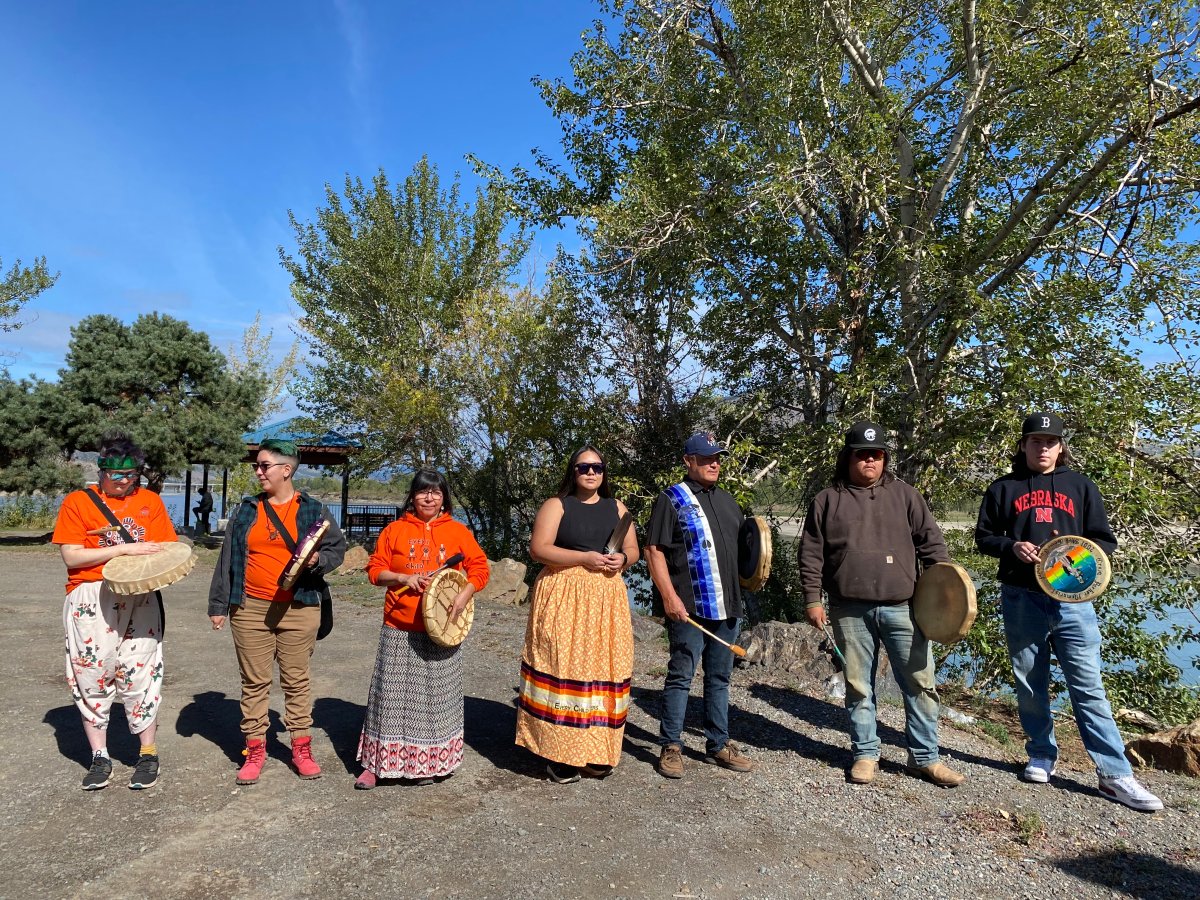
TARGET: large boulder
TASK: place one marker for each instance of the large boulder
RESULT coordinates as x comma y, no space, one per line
799,651
506,583
355,561
1174,750
646,628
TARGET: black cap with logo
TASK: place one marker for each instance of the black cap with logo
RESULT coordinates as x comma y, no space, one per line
1042,423
866,436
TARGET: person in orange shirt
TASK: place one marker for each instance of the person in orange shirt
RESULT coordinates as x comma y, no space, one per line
413,727
113,641
270,624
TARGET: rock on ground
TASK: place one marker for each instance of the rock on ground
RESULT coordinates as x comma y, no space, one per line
1175,750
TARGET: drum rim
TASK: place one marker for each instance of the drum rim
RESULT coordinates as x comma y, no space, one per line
118,582
762,572
427,615
970,595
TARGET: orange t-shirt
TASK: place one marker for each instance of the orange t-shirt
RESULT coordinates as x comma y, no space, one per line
141,512
267,553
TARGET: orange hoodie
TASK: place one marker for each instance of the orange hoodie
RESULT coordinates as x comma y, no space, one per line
409,546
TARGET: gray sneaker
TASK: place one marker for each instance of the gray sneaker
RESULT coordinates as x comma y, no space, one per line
145,773
97,776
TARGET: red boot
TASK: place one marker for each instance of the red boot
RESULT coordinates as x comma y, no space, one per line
256,755
302,759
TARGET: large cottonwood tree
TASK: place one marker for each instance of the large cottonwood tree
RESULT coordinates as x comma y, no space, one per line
937,214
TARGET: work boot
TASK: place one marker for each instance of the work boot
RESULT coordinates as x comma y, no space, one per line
256,755
863,771
302,759
730,757
940,774
670,761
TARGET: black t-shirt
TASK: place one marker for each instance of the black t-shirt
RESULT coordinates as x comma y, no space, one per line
724,518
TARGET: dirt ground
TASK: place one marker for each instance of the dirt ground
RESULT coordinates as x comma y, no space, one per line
793,828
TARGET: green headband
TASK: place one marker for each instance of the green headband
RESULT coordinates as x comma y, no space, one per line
118,462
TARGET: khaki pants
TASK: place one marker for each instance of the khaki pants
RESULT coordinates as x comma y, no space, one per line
265,633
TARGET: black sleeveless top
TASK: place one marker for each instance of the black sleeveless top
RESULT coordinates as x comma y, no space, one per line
586,526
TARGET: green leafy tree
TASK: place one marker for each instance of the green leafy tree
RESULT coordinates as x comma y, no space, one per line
34,453
936,215
383,277
20,285
162,383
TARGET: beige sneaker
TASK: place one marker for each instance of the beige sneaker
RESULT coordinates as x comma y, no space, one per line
670,761
940,774
863,771
730,757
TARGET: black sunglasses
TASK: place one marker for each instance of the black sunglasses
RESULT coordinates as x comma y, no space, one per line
589,468
869,453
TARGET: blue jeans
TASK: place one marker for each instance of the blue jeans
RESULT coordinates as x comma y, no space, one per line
689,645
860,629
1034,624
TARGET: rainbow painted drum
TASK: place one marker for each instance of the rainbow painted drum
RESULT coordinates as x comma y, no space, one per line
1072,569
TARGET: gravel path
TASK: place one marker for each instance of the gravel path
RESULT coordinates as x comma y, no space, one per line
792,828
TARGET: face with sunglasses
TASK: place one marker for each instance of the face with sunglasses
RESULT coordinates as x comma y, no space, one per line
273,475
866,465
589,472
120,482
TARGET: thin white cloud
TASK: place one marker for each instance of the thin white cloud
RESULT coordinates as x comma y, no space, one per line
352,26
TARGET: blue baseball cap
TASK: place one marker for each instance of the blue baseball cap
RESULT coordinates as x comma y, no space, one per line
703,444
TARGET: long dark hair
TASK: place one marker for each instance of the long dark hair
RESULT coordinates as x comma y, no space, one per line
841,475
566,487
423,479
1065,457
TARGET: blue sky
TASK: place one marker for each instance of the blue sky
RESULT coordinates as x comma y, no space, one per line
151,150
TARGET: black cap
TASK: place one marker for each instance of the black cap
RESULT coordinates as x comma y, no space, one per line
703,444
1042,423
866,436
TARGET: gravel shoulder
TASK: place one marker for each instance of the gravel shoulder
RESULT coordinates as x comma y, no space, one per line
498,828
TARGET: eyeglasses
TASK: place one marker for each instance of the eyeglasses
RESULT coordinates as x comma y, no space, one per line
428,492
262,467
589,468
868,454
122,476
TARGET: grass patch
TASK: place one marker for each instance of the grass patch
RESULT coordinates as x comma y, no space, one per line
996,731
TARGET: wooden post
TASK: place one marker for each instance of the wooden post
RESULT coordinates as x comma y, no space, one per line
187,498
345,492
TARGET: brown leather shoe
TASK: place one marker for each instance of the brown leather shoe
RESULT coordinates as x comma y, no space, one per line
940,774
670,761
730,757
863,771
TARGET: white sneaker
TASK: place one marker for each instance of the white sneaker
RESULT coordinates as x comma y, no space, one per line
1039,770
1128,790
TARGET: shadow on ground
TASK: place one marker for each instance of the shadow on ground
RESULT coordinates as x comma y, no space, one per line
1133,874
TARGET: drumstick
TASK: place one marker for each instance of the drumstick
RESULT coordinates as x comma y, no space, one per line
833,643
738,651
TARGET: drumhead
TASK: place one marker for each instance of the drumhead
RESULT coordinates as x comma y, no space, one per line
1072,569
436,604
142,574
944,603
754,553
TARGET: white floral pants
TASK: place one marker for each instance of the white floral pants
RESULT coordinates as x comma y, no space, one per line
114,650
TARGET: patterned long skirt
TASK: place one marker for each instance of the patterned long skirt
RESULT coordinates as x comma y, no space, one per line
576,668
414,722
